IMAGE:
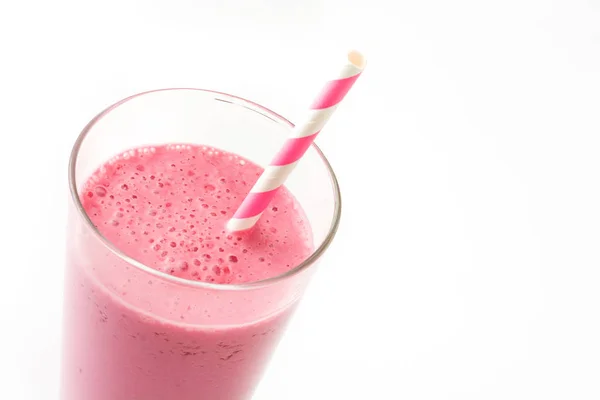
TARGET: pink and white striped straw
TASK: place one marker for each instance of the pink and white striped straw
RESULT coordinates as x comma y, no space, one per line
296,145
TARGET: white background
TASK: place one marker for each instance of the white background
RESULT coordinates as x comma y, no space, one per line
467,263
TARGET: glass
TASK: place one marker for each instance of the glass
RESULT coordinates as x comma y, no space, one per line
124,336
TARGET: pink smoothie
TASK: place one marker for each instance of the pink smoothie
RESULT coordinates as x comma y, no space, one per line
133,335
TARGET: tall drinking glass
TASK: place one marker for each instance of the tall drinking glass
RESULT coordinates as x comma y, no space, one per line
129,330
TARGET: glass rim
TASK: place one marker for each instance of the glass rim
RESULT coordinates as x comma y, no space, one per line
312,259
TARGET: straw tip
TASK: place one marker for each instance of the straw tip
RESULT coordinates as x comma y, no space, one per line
357,59
242,224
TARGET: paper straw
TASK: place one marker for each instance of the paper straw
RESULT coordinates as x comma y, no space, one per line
296,145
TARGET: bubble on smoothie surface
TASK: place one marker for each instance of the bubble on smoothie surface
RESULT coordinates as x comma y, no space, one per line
177,200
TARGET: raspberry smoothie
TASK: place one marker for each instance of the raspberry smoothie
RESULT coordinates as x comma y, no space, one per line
132,334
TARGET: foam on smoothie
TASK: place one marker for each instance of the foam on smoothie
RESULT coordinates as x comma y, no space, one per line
167,207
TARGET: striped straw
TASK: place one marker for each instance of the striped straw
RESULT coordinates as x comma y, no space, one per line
296,145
